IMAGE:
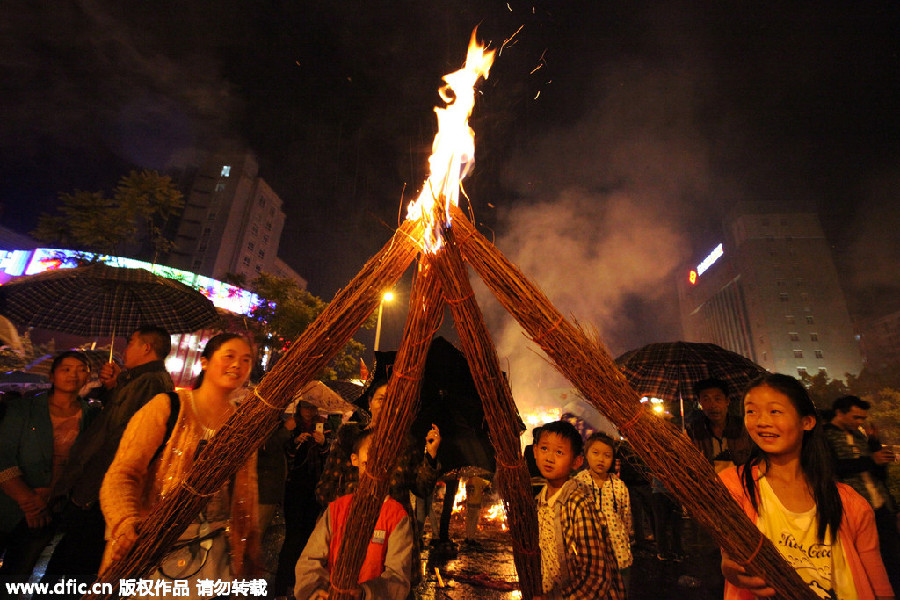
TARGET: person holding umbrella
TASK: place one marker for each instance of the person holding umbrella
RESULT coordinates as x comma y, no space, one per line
36,436
76,494
721,437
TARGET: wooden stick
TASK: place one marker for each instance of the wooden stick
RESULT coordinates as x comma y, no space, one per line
257,417
513,479
393,425
670,455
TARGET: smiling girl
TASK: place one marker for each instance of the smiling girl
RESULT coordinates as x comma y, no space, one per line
825,530
155,456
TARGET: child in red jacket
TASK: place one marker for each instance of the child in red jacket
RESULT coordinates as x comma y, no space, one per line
387,568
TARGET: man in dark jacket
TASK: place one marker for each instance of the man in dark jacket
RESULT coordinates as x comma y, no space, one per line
79,552
721,437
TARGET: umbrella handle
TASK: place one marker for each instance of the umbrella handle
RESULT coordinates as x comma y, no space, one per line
112,342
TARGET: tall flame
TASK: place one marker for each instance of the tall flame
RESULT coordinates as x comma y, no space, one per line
453,149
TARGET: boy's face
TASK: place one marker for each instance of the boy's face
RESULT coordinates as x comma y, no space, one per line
555,457
599,458
359,458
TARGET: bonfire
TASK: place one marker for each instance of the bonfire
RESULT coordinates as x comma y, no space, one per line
442,237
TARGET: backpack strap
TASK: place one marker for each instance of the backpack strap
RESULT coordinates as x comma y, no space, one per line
174,410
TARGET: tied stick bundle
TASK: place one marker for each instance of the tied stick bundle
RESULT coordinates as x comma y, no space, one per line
400,406
670,455
513,479
255,418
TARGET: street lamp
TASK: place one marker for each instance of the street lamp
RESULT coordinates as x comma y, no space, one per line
386,297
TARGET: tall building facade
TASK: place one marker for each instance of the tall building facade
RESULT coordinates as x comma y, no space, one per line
232,220
771,292
881,342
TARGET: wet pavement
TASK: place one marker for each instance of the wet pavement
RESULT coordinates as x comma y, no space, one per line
470,573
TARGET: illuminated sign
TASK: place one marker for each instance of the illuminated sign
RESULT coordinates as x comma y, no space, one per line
709,261
27,262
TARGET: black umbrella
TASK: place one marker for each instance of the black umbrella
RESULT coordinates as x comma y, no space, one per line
100,300
449,400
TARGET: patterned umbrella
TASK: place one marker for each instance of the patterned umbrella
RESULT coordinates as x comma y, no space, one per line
99,300
670,370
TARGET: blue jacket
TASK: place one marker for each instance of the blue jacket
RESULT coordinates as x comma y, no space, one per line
26,448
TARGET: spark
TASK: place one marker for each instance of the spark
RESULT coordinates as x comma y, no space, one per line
509,39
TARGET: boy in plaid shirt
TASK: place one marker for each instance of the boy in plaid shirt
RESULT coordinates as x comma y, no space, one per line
577,559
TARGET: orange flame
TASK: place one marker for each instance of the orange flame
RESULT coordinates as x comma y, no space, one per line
453,149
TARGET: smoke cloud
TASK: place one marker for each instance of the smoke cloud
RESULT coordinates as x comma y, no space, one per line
600,224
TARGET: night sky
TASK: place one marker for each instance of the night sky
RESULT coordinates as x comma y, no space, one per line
611,136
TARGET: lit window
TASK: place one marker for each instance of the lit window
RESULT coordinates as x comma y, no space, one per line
226,171
795,337
814,337
819,354
798,353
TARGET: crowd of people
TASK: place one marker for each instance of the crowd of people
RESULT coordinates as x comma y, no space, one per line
81,477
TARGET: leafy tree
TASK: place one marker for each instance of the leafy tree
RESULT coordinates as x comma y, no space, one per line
286,311
139,211
823,390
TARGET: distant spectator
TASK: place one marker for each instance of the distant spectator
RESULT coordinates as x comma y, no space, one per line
857,466
719,435
307,450
36,437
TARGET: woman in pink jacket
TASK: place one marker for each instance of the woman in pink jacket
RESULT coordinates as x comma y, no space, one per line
825,530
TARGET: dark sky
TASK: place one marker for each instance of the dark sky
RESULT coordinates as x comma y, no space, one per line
611,135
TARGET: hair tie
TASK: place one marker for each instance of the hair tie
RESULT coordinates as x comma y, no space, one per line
548,330
263,400
336,588
455,301
750,558
634,419
187,487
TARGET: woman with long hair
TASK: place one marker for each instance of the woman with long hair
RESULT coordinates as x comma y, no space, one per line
824,529
152,459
